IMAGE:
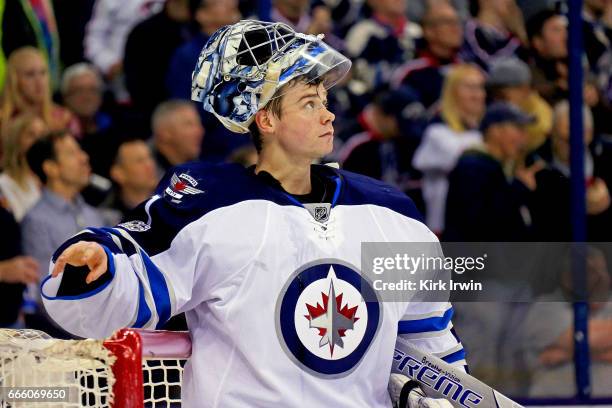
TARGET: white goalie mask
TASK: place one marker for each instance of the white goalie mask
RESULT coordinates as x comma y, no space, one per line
244,64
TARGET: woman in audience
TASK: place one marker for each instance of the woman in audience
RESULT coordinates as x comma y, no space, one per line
27,90
19,188
456,129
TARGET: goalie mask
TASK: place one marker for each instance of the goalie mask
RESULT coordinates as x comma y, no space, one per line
244,64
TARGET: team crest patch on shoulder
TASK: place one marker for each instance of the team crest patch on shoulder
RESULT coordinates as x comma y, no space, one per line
323,322
135,226
181,185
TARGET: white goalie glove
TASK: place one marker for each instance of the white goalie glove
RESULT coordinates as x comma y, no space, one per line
406,393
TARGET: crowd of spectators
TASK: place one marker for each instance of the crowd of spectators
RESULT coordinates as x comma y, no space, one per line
461,104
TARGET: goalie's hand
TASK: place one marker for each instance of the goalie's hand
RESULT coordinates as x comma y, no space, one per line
406,393
418,399
90,254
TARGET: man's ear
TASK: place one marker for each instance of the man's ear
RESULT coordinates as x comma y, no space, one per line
162,134
537,43
116,174
264,121
50,168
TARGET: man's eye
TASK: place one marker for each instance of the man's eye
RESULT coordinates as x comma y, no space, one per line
310,105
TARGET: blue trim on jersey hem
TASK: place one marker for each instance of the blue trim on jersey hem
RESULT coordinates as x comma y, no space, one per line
111,270
456,356
425,325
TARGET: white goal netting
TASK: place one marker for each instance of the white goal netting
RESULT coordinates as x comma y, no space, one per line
75,372
39,371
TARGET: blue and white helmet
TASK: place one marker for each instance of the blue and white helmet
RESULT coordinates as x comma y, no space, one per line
244,64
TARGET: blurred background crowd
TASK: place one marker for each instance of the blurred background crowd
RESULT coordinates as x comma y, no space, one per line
461,104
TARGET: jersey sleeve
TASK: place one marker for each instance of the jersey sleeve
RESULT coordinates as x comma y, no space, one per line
428,326
427,323
155,271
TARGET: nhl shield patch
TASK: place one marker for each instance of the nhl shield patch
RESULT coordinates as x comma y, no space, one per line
323,322
320,211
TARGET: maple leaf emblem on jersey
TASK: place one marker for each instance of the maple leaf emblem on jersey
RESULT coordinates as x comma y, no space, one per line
332,320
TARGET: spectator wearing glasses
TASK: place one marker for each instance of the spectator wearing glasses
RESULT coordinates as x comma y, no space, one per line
443,36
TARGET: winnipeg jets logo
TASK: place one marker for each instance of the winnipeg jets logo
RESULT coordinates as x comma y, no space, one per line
331,319
181,185
324,323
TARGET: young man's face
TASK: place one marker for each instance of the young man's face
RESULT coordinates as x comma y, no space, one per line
304,129
71,163
135,167
552,43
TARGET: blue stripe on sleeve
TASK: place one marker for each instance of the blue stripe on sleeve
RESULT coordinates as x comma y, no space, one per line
455,335
159,289
97,235
425,325
456,356
144,313
127,246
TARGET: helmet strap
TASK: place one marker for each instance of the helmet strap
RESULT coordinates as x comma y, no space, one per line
270,83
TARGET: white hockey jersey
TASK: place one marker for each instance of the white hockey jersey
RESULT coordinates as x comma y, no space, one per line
272,294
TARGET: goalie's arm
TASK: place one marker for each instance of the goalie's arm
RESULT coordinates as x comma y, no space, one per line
97,286
137,274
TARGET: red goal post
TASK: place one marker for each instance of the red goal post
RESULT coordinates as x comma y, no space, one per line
134,349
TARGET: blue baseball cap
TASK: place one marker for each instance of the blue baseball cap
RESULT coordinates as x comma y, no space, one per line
502,112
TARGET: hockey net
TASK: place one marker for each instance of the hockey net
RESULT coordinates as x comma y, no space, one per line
132,369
